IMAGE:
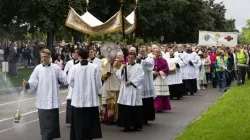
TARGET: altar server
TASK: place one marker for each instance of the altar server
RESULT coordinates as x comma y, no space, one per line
85,123
67,68
93,59
191,63
147,91
45,78
160,73
174,79
130,100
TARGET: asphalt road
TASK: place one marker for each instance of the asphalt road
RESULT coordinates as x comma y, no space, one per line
167,125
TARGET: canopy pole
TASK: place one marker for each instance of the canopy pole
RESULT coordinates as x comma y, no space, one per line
123,33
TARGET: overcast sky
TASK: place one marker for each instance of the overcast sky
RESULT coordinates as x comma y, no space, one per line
239,10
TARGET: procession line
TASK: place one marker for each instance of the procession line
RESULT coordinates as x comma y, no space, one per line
25,124
24,99
25,114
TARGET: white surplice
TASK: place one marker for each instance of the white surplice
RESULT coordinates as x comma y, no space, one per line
97,62
86,83
45,80
148,89
189,72
131,96
175,78
67,68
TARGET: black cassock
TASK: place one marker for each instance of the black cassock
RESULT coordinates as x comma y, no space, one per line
85,124
49,123
148,109
68,112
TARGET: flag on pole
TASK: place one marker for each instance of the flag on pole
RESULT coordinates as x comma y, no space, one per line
208,38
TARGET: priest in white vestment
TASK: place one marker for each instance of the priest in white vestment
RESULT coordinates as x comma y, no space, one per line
174,79
148,90
111,88
67,68
130,99
191,63
45,79
160,73
86,83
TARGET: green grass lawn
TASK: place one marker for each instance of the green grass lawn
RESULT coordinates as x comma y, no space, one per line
227,119
15,82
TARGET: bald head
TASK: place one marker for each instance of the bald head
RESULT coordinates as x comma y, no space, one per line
132,49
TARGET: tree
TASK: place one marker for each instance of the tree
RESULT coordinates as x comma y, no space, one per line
176,20
244,36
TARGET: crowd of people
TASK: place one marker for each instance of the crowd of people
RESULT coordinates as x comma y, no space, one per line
129,88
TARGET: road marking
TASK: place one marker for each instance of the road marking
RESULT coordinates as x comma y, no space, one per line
25,114
24,99
24,124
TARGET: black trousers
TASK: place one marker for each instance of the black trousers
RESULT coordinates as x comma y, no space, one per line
242,74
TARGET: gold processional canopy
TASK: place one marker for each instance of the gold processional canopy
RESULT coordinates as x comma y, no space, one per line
89,24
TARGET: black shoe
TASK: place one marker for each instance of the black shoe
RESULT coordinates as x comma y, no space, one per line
158,111
191,93
171,98
127,129
137,129
178,98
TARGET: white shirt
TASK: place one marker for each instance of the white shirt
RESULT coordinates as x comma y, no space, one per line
148,89
130,95
86,83
45,80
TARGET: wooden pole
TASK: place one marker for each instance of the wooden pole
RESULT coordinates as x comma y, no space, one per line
123,33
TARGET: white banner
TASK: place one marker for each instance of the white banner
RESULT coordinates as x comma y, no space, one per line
228,39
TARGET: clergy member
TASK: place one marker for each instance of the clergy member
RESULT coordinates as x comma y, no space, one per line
111,88
174,79
44,79
93,59
191,62
130,100
85,123
147,91
160,72
67,68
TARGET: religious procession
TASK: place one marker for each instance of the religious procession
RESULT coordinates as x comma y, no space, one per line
128,91
152,70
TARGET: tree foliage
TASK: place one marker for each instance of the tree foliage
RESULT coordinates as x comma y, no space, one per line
244,36
176,20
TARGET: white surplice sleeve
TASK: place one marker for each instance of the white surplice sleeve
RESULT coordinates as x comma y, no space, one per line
185,59
71,78
34,80
62,77
67,67
180,62
197,63
119,73
137,79
98,82
147,64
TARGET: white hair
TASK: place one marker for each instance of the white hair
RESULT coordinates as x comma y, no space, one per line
120,53
132,49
